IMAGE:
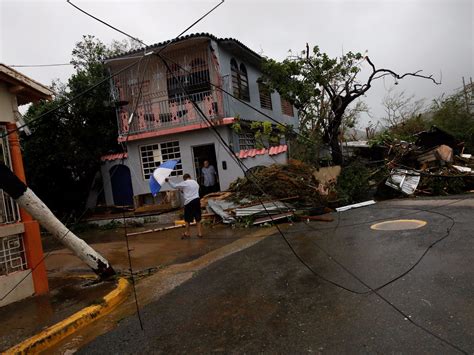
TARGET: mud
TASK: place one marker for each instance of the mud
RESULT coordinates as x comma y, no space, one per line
23,319
147,251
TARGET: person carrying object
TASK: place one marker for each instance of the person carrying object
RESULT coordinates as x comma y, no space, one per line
192,203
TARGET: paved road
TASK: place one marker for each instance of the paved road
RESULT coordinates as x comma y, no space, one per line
263,300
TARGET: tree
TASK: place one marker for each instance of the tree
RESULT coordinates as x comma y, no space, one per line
452,115
323,88
63,153
399,107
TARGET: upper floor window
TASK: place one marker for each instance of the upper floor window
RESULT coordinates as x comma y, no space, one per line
194,79
286,107
265,96
240,81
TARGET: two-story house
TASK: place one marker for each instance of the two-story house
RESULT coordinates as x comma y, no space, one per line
22,268
167,126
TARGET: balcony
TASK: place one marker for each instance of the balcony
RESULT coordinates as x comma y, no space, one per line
163,108
160,115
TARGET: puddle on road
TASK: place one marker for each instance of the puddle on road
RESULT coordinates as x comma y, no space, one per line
398,224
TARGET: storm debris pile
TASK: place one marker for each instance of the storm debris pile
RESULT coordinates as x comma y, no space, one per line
294,180
435,164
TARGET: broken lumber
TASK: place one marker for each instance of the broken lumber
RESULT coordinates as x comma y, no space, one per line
159,229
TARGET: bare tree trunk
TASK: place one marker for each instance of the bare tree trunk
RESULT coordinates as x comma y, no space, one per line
27,199
334,129
336,151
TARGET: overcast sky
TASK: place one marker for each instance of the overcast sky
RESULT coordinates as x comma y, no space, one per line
404,35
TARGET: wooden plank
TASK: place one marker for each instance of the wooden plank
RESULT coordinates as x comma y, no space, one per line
272,218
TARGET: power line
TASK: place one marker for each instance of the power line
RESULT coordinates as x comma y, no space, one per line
69,101
246,170
131,121
352,274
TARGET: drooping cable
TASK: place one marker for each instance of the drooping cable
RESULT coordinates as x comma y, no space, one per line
245,170
242,166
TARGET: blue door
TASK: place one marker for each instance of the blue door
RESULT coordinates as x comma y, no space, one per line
121,181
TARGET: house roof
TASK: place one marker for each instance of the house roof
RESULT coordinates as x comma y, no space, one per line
251,153
114,156
25,88
229,43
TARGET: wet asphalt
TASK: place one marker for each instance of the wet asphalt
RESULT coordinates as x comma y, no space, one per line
263,299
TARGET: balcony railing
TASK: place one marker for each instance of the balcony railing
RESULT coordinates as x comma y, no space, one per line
154,115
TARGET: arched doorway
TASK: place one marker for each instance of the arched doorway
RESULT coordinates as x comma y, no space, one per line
121,181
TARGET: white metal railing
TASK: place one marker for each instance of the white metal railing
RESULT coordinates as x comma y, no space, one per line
12,254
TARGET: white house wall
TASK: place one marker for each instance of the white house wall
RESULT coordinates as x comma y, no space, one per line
234,107
187,141
8,282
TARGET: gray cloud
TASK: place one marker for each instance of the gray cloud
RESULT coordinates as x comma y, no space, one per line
405,35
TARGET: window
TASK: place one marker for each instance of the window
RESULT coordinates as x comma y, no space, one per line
234,69
240,81
246,141
153,155
244,83
265,96
286,107
194,79
12,254
199,79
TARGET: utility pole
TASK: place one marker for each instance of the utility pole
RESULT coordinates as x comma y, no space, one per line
468,93
27,200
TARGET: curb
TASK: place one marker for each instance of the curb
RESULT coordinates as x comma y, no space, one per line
57,332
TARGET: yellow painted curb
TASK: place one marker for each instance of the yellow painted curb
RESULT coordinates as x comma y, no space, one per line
54,334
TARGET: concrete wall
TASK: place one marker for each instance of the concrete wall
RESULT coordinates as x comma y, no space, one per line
104,170
234,107
187,141
7,104
7,282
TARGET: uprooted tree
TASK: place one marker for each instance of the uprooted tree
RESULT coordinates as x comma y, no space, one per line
322,89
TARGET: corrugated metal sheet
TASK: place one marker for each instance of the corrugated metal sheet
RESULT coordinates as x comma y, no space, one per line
251,153
112,157
273,207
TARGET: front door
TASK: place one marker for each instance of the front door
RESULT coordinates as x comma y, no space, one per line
202,153
121,182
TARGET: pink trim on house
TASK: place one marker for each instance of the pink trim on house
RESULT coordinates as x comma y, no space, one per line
173,130
251,153
112,157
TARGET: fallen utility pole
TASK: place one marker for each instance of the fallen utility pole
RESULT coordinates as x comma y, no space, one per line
27,200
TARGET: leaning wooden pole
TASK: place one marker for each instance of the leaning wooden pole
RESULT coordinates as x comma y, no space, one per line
27,200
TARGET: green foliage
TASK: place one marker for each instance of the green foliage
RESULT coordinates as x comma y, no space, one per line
449,114
353,183
111,225
318,87
443,185
62,155
452,115
264,132
404,131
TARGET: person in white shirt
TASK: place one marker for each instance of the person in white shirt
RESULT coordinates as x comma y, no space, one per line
192,203
209,175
